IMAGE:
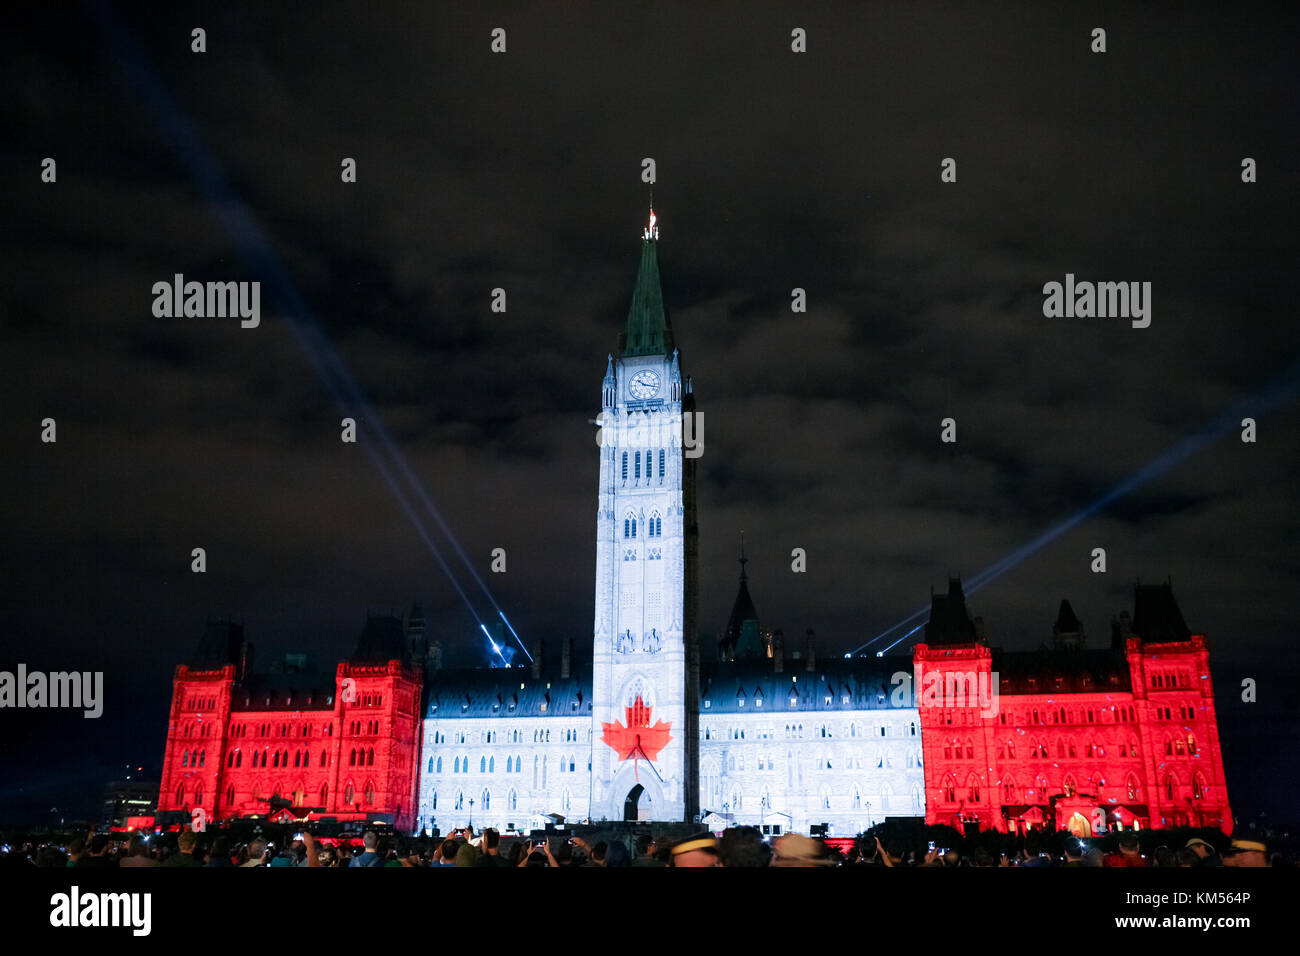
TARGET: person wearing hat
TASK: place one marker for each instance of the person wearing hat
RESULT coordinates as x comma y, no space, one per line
1246,853
795,849
1206,854
699,850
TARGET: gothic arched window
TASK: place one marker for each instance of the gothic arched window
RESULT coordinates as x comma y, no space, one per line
637,473
661,462
625,466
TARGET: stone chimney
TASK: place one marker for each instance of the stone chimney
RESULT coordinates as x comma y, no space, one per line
566,653
778,651
812,651
244,669
1121,629
537,661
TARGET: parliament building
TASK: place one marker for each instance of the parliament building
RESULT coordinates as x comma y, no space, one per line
639,725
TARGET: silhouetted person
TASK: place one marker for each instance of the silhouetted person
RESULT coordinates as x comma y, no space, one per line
371,856
138,854
185,855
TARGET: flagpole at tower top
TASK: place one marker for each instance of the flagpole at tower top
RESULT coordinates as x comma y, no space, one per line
652,230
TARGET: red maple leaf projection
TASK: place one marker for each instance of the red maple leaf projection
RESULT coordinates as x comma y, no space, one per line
637,740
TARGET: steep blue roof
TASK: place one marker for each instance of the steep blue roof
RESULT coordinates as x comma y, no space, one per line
735,686
507,692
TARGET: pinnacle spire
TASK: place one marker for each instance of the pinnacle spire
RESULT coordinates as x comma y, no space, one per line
648,330
742,636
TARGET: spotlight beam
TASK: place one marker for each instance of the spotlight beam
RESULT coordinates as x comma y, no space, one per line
512,631
255,248
1282,390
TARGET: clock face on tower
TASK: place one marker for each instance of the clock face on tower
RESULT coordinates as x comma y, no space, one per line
645,384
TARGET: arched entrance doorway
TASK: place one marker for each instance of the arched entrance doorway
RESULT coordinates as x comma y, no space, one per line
632,805
1079,825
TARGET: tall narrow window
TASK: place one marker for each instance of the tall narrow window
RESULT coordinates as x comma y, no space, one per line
638,466
625,466
661,462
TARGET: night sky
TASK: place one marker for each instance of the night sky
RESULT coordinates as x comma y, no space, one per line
522,171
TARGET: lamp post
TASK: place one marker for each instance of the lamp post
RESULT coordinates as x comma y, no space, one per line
471,813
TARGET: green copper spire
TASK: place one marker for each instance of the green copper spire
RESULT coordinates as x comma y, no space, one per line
648,331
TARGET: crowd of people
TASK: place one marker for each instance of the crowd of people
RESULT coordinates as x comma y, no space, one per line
735,847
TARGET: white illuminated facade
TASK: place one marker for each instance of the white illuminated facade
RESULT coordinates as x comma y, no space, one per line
514,747
783,751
